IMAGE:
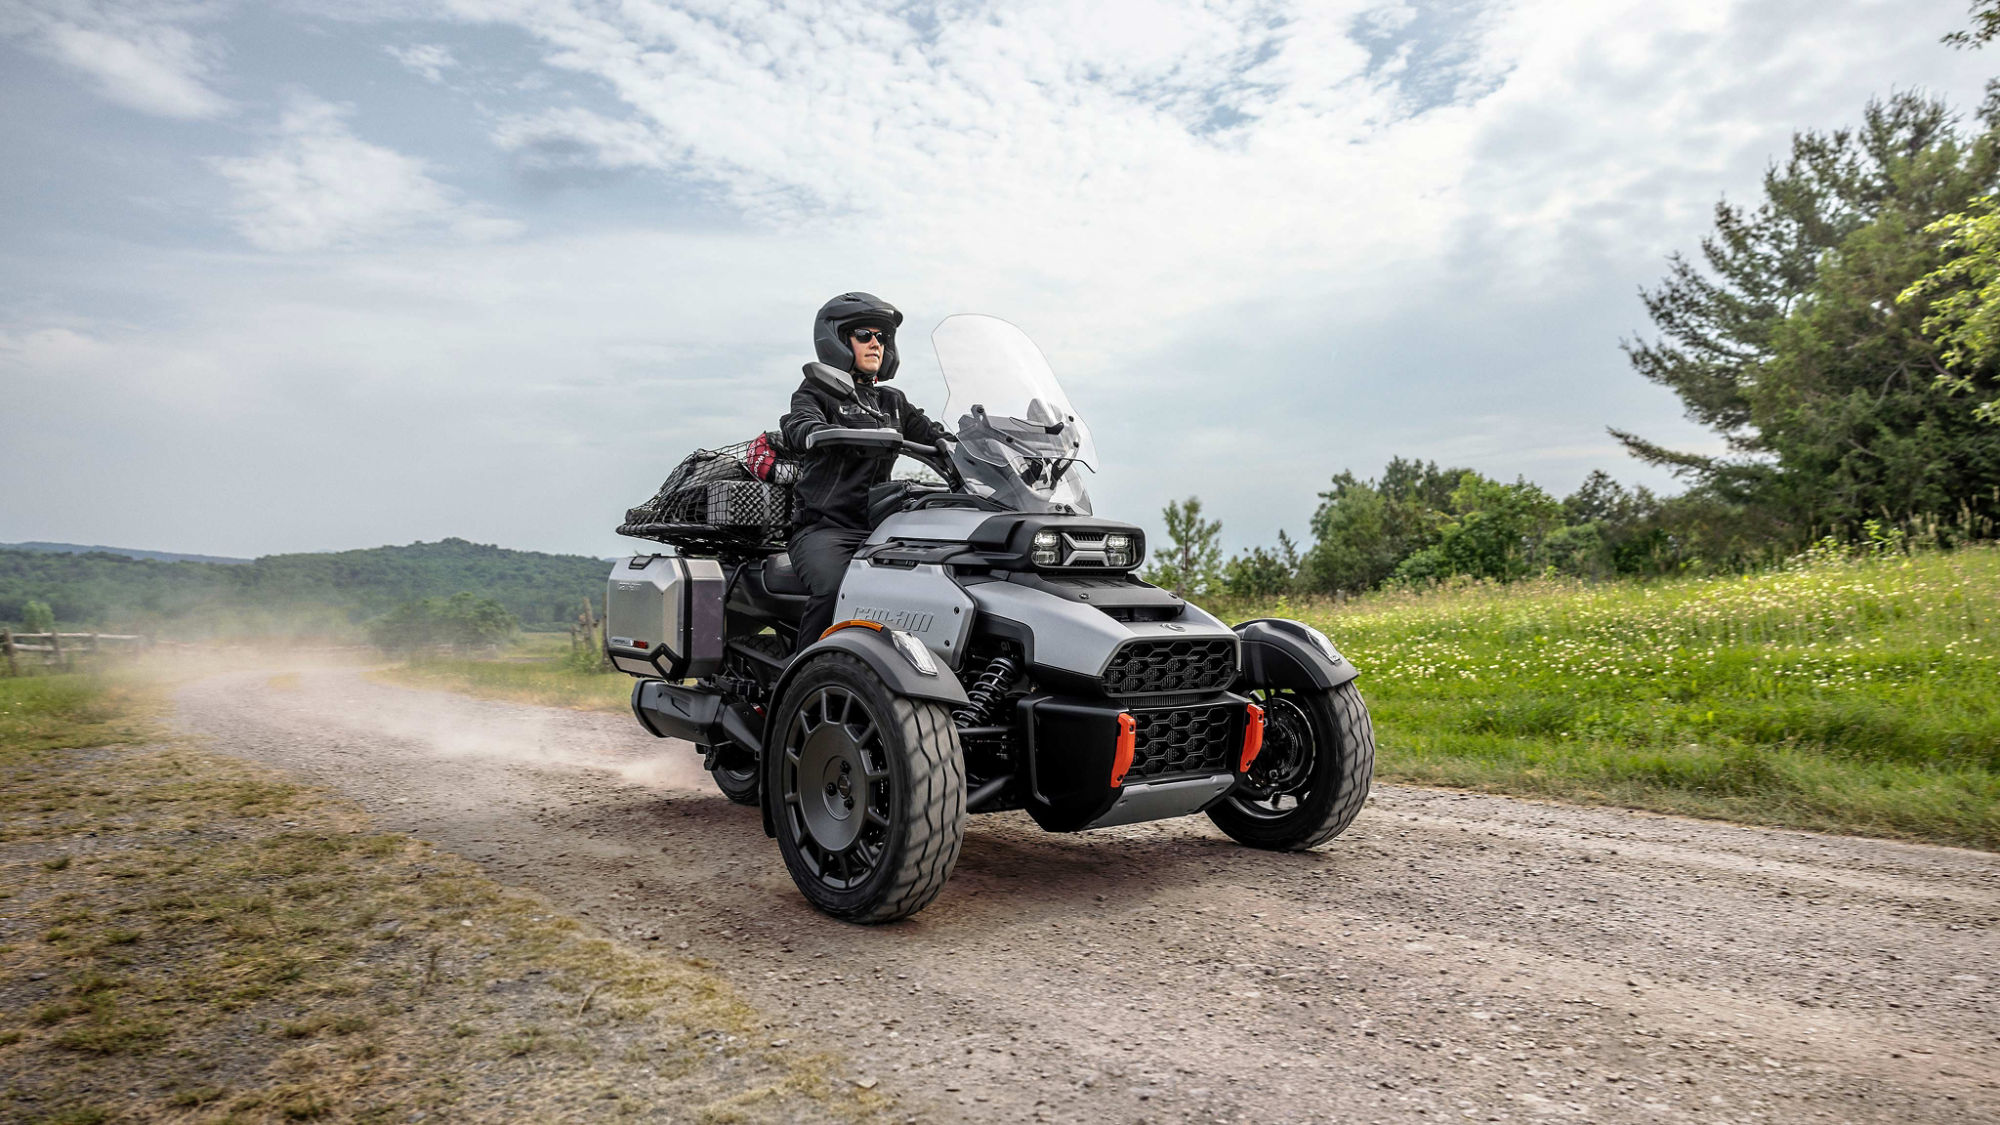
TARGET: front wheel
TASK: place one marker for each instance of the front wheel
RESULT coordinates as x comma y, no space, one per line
867,792
1312,776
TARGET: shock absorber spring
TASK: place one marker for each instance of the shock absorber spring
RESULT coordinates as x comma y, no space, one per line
986,691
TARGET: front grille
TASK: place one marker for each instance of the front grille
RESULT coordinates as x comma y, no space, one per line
1153,666
1196,741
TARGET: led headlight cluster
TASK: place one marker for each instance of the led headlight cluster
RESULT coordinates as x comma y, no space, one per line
1082,547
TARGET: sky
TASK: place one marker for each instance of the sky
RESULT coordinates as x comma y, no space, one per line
297,276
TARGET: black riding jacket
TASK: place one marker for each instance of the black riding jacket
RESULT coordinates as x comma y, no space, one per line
832,490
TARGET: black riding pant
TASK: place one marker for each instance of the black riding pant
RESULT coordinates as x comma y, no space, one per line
820,556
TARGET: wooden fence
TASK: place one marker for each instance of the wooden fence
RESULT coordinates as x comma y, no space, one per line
61,648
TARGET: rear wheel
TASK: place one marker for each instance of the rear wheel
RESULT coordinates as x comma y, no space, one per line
1312,775
736,773
867,792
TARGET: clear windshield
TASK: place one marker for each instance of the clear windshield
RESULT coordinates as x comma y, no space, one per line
1020,441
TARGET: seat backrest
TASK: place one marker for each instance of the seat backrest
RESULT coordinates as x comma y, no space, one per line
779,575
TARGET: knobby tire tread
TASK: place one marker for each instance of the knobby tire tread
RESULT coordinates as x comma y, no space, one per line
937,807
1357,741
932,800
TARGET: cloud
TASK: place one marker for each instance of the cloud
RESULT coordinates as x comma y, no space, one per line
321,186
135,54
427,60
1259,241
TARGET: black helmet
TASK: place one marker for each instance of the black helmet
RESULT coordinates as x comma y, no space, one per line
845,313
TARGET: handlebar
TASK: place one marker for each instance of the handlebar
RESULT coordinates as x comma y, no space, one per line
883,438
936,456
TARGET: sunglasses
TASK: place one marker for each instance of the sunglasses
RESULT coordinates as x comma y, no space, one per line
869,335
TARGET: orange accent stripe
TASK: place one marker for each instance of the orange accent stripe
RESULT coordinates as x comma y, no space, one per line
839,625
1128,745
1253,738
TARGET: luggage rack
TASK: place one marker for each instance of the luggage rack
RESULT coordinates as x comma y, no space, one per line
707,539
712,504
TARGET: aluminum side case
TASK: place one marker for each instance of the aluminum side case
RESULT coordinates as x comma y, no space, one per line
663,616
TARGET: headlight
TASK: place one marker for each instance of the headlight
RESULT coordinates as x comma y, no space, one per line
1048,548
1118,551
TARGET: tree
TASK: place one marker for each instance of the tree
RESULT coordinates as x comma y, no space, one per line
1494,531
1193,559
1363,529
37,617
1985,26
462,621
1792,346
1963,296
1262,572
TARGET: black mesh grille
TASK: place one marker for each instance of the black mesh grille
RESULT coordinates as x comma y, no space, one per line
1193,741
1143,667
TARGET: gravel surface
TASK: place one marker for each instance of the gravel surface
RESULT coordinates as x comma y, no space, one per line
1450,956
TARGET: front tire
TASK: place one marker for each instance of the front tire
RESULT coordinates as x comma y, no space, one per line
1312,776
867,793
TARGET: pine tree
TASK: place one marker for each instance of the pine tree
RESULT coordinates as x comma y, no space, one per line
1791,346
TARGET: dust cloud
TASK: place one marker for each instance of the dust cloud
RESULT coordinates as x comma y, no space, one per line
328,694
522,735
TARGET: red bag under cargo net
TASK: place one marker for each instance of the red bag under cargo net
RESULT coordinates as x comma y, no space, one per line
760,457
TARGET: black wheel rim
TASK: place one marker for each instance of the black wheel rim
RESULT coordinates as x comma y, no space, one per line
1280,779
837,787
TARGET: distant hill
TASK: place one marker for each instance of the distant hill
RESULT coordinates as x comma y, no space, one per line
329,593
128,552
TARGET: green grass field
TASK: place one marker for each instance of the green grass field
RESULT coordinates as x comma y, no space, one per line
537,672
46,712
1848,695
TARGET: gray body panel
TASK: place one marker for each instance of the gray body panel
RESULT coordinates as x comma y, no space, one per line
1163,799
921,600
951,525
1077,637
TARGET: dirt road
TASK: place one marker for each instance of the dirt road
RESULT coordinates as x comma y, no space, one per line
1451,956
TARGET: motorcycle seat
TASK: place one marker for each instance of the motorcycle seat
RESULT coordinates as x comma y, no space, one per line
780,578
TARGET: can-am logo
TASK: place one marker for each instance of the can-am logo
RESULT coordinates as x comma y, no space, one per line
907,620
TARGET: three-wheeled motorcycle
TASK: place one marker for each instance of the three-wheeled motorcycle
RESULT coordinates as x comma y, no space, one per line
994,649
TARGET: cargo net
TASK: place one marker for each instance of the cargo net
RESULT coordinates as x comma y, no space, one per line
712,504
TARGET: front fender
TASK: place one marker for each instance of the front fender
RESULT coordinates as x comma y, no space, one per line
1283,654
873,649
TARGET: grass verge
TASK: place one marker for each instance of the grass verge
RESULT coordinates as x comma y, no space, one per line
1849,695
190,938
551,682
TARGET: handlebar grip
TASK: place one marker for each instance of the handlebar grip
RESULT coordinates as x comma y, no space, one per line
842,436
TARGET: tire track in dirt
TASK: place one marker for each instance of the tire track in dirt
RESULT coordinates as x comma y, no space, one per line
1477,957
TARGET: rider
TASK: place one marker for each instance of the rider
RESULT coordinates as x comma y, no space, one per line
855,334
